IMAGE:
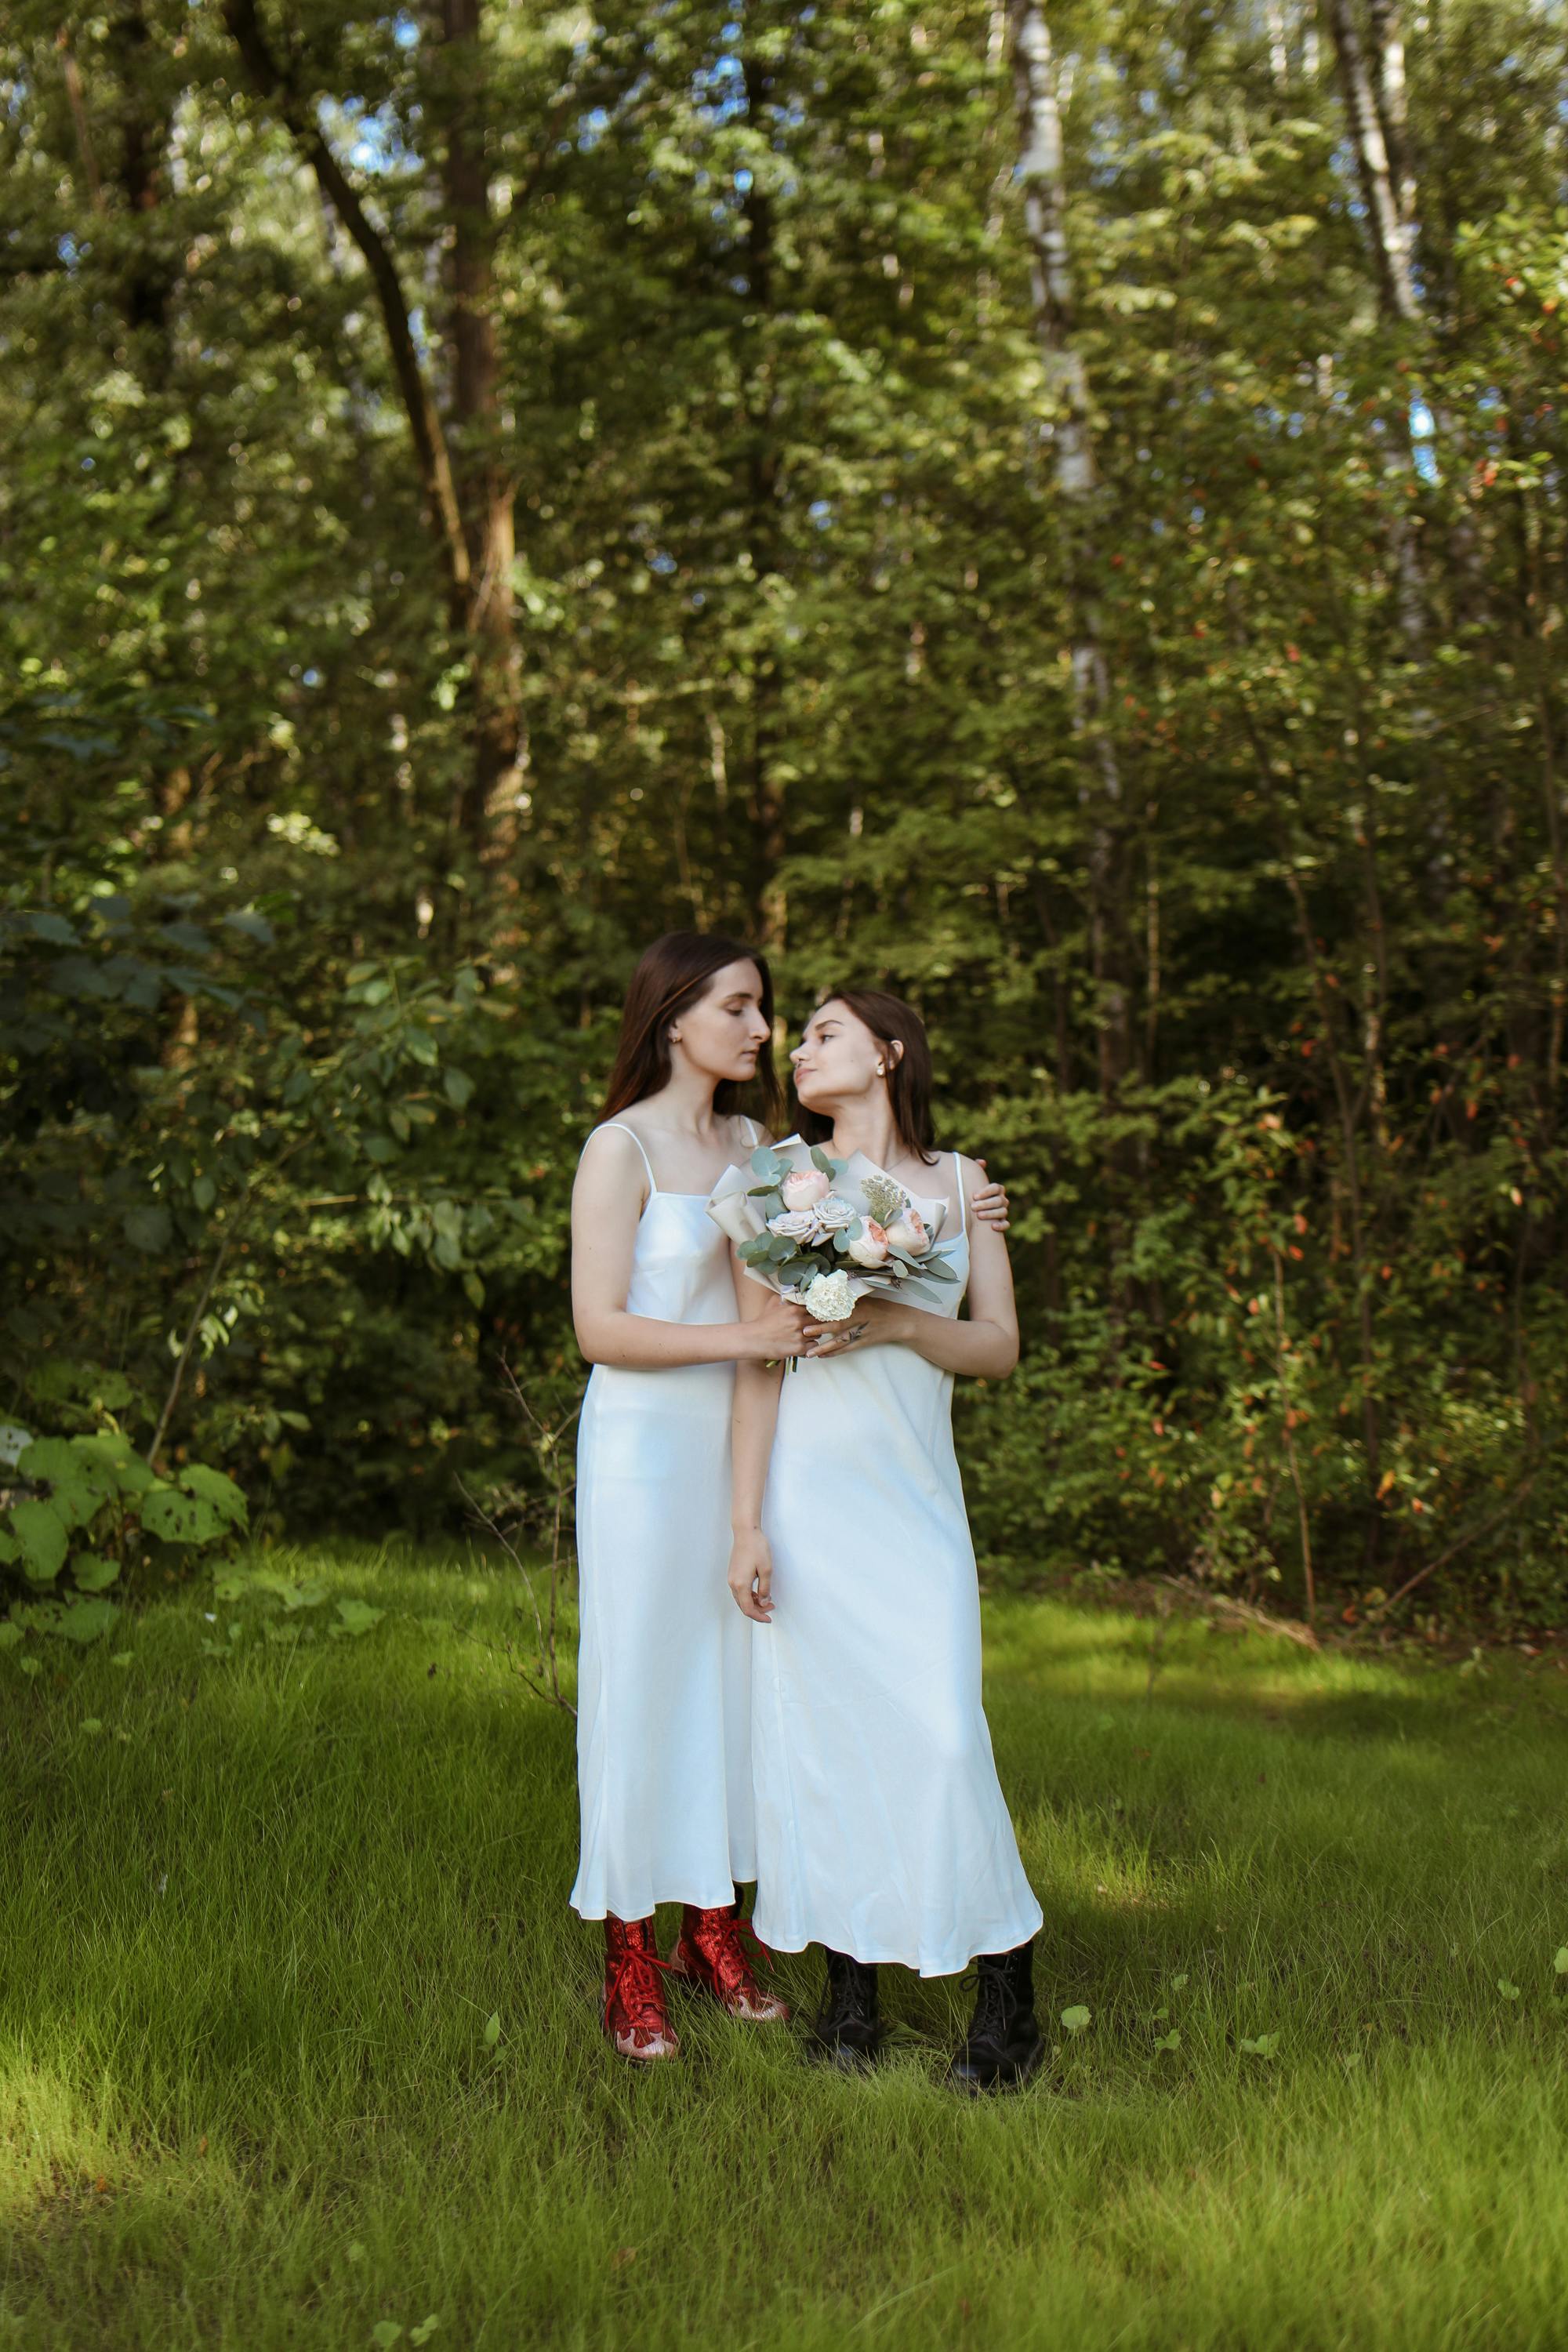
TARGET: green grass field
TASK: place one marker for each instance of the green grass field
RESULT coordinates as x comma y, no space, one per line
255,1928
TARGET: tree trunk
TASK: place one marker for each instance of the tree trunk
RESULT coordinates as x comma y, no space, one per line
124,167
1385,221
1041,170
431,453
491,803
471,522
1372,82
1386,39
761,484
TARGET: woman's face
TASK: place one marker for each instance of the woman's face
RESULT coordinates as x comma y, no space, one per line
836,1057
725,1030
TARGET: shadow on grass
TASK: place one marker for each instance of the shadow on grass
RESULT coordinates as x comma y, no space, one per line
287,1838
298,2036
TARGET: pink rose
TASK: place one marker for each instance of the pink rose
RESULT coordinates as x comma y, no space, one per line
909,1235
869,1246
804,1188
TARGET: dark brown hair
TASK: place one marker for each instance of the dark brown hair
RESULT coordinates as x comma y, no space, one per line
671,975
892,1023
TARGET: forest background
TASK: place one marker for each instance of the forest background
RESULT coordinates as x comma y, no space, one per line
1056,509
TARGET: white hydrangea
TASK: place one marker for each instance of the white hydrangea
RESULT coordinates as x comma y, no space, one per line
828,1298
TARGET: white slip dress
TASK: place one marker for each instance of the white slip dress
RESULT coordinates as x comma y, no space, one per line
663,1760
881,1827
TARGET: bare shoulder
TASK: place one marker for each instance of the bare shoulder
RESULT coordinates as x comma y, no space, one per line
612,1161
974,1178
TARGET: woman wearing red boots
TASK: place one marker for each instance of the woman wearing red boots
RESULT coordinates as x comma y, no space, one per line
663,1668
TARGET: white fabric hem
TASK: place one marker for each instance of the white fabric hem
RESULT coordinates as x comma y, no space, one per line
998,1939
594,1908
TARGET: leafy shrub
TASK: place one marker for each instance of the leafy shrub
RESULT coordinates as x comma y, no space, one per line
83,1508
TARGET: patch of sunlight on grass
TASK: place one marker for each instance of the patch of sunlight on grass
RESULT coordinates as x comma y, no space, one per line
255,1931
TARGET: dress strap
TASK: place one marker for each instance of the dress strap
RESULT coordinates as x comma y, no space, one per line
755,1133
957,1176
622,1130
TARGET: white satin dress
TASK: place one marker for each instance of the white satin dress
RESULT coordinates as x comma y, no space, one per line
881,1827
664,1760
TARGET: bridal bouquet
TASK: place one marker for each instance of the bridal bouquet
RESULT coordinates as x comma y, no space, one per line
824,1233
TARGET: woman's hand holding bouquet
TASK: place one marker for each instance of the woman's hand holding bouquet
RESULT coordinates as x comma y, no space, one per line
825,1234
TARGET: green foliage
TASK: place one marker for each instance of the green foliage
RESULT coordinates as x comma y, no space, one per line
307,988
91,1504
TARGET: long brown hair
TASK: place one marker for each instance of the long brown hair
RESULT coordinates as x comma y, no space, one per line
672,974
892,1023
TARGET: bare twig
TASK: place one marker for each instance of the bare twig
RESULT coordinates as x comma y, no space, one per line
1289,1419
191,1327
1462,1543
509,1524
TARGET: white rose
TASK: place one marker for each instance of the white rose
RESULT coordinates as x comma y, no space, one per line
835,1212
795,1225
827,1298
909,1235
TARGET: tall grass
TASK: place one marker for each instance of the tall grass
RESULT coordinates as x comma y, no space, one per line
254,1932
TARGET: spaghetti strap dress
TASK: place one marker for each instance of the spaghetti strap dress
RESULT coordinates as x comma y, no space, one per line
882,1830
664,1655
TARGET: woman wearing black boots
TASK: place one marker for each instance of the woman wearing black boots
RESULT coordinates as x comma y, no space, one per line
881,1830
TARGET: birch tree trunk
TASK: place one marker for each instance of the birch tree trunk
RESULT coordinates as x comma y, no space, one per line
762,491
1385,221
1042,171
1373,88
1387,39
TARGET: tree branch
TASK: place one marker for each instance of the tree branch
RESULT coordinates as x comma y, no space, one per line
271,82
77,100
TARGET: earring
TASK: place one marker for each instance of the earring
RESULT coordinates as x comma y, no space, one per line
881,1069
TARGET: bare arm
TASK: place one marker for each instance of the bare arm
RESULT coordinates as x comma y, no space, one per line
983,1344
606,1204
756,1416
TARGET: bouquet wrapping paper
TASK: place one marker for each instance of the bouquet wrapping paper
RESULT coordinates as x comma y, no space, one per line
824,1233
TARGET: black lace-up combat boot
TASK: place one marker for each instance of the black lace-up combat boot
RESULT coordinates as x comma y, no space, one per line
1004,2044
847,2031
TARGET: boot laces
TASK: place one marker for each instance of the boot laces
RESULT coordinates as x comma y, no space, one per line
856,1992
720,1938
992,2003
633,1990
